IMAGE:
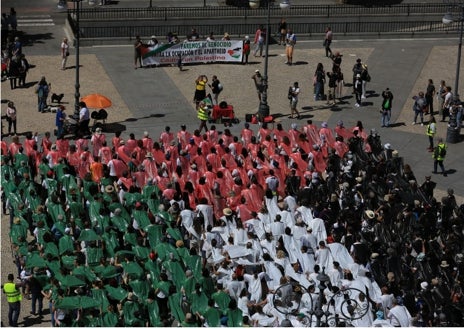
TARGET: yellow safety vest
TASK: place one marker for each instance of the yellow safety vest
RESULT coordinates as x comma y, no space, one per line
439,153
13,295
202,114
430,131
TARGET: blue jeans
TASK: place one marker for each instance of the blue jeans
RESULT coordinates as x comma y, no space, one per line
421,113
13,313
386,115
42,103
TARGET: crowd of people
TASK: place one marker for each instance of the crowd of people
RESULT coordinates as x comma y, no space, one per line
203,229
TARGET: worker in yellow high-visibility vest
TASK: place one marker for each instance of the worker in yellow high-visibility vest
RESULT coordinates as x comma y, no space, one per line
202,114
431,131
14,297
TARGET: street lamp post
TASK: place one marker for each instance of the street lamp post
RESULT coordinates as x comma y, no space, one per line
263,109
448,19
77,85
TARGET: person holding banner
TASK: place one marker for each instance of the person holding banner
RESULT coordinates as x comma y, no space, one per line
200,89
202,114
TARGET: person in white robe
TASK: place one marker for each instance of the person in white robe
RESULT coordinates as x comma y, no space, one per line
273,272
324,257
207,212
340,254
309,239
277,227
307,260
336,274
399,315
269,245
255,288
272,206
319,231
363,312
305,213
291,246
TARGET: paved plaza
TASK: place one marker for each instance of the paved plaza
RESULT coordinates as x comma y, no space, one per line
149,99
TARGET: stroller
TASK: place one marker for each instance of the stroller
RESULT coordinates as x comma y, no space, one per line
70,126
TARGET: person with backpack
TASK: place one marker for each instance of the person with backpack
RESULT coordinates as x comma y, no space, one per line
386,107
365,78
439,154
42,90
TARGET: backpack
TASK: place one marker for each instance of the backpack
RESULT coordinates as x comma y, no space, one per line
220,87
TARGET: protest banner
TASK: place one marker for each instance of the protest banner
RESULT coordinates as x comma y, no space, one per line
193,52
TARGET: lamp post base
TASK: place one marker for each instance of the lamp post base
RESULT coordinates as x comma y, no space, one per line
263,110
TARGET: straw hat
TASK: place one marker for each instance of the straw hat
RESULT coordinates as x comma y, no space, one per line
370,214
148,155
227,211
109,189
444,263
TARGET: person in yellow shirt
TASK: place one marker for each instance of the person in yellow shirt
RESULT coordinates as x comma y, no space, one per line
200,89
14,297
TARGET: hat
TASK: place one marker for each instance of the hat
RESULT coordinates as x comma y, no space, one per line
324,125
98,130
391,276
148,155
226,35
227,211
387,146
145,133
395,154
17,220
67,230
444,263
247,37
256,71
153,36
424,285
179,243
370,214
359,179
109,189
122,142
374,255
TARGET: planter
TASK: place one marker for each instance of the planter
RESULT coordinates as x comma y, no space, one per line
254,4
285,5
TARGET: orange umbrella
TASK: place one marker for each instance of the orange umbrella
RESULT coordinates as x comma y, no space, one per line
96,101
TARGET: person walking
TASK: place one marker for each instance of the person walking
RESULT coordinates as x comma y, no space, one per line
358,90
11,115
246,49
431,131
439,154
357,69
386,107
429,94
202,114
328,41
365,78
64,53
420,104
260,39
13,297
293,96
290,41
42,90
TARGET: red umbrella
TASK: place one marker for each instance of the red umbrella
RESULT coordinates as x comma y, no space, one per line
96,101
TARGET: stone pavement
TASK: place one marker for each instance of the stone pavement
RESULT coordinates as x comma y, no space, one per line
150,99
